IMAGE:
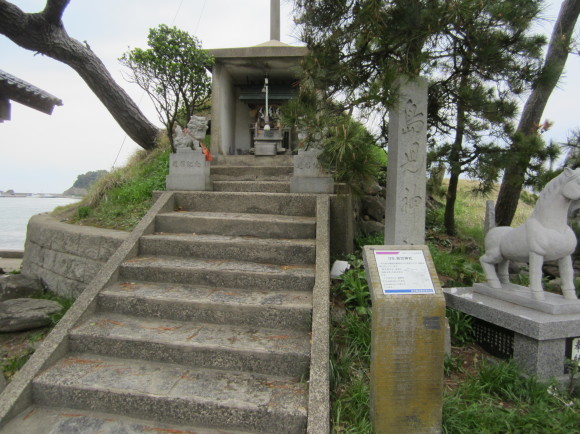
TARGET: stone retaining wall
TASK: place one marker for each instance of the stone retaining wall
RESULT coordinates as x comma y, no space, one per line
66,257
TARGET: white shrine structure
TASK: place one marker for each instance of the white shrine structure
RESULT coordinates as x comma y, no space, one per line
249,86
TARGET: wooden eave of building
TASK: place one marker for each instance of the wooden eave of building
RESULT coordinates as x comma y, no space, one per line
15,89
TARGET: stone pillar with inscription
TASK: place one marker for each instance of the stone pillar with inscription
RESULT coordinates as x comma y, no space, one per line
407,339
406,169
188,170
309,176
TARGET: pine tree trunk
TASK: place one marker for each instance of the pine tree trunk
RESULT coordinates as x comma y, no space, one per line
514,175
449,217
44,32
455,165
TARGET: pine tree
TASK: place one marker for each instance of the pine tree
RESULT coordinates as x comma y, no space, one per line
476,54
484,56
526,142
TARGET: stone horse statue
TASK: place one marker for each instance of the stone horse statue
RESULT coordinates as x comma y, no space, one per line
544,236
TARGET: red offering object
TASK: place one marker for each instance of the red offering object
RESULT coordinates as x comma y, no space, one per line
205,151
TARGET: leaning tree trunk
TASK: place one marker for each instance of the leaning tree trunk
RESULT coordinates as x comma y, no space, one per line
455,167
514,175
44,32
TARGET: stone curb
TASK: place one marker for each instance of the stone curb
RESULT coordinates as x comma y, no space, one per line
319,384
18,394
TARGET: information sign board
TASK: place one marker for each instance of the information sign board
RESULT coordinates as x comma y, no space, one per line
403,272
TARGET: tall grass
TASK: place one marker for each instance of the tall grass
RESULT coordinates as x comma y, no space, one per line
497,399
470,210
121,198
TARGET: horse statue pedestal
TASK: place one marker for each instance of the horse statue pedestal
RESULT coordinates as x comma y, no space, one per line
552,304
508,324
539,330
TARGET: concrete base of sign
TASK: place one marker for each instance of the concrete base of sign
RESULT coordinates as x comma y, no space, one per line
541,341
407,352
188,170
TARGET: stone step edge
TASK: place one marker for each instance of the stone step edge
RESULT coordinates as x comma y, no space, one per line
257,217
189,237
267,355
184,408
246,310
115,319
36,419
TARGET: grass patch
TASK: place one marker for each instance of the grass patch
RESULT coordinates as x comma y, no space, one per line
461,327
470,209
498,399
349,374
65,302
120,199
350,348
12,365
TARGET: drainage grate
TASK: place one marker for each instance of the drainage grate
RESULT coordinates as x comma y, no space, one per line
572,352
496,340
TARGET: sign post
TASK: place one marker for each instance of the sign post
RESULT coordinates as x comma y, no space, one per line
407,339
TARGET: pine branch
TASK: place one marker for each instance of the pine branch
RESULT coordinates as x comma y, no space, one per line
53,11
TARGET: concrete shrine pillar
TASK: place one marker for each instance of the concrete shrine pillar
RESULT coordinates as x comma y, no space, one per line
406,168
274,20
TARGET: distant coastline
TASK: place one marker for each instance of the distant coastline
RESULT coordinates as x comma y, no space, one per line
40,195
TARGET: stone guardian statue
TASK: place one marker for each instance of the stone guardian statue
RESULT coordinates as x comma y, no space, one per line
192,136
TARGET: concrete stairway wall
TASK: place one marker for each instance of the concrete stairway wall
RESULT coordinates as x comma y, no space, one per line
203,320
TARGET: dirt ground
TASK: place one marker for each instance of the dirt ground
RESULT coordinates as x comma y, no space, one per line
470,356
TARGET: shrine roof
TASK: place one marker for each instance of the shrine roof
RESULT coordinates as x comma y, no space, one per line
20,91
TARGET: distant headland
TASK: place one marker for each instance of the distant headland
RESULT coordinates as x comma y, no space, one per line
12,193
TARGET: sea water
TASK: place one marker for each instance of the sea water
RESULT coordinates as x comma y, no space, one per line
15,213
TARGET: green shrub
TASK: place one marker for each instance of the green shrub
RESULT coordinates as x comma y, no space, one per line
374,239
355,291
461,327
83,212
462,270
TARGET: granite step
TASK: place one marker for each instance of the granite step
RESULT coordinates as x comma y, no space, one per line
251,160
36,419
267,309
201,345
253,186
236,224
211,246
219,273
174,394
251,173
290,204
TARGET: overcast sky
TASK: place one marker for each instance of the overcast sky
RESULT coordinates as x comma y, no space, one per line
41,153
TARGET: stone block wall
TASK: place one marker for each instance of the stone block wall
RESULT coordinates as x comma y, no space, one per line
66,257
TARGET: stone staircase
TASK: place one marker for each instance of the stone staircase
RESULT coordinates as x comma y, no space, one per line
205,324
247,173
